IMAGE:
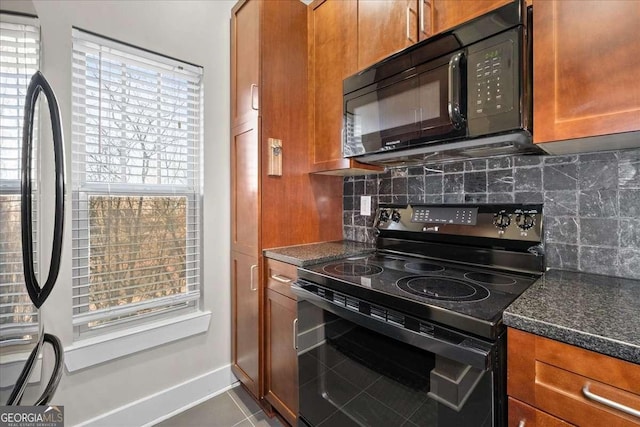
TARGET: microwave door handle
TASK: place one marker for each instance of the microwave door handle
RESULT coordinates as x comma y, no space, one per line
39,84
455,83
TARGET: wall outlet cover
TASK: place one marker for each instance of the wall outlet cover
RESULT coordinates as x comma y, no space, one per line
365,205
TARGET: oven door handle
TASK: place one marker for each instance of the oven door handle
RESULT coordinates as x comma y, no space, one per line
463,352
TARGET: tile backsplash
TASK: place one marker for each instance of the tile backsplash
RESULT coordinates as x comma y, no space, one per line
591,202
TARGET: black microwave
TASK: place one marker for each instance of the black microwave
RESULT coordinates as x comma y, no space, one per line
465,93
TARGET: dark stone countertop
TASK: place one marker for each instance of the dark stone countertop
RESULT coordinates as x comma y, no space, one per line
599,313
313,253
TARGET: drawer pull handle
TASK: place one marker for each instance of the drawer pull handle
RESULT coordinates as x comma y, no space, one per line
610,403
295,334
281,279
521,423
253,88
251,287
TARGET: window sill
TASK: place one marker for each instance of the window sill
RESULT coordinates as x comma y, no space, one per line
93,351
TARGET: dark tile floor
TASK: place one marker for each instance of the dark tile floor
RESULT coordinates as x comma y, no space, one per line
233,408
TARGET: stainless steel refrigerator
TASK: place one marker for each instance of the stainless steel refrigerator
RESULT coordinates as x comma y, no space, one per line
39,364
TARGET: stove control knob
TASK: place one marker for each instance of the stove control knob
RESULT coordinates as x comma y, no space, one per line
501,220
395,216
384,215
525,221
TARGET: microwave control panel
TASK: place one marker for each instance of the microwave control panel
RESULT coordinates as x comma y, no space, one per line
490,73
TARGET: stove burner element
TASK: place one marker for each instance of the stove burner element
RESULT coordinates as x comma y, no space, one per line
423,267
442,288
490,278
352,269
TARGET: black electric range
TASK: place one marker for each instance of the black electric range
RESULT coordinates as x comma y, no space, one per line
421,315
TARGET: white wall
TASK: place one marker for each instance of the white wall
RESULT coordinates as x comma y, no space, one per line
197,32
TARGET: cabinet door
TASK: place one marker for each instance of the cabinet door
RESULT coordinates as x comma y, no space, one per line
245,188
586,68
523,415
385,27
563,380
281,374
446,14
245,60
333,55
245,315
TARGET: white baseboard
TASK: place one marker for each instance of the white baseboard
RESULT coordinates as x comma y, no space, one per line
165,404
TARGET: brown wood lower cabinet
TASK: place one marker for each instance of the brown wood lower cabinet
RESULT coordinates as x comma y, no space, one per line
245,314
281,374
281,358
561,380
523,415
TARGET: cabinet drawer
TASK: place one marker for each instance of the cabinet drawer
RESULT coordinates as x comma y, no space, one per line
280,276
523,415
569,382
563,393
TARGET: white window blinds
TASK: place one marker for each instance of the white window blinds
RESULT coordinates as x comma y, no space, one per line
19,59
137,135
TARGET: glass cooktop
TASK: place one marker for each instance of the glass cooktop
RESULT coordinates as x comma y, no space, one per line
426,288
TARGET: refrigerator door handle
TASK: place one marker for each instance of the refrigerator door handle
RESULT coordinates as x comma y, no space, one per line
52,385
37,294
21,384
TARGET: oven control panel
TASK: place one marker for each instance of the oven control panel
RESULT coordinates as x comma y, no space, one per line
442,215
502,221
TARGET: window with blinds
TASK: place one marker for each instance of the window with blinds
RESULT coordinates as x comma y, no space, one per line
19,59
137,136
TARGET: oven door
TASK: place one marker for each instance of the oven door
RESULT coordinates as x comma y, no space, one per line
363,365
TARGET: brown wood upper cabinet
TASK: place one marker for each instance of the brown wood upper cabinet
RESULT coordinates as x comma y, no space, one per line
385,27
333,55
446,14
245,51
388,26
586,69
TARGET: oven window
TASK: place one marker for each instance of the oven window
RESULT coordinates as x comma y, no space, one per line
352,376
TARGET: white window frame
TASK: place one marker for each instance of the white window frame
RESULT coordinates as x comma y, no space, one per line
184,311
